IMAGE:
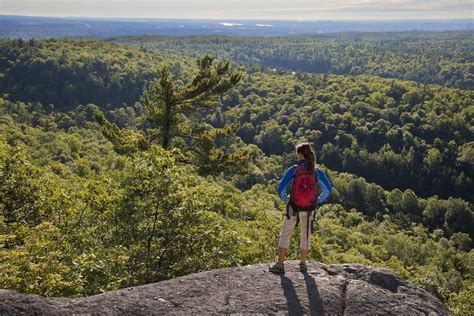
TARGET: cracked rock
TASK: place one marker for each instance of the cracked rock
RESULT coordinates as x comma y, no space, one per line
336,289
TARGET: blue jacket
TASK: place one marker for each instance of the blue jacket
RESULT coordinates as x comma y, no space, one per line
284,185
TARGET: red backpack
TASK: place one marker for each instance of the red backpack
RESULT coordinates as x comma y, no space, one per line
304,190
303,196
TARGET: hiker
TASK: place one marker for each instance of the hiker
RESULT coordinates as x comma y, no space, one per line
303,187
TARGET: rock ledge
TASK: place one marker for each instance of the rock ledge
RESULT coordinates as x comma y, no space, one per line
325,289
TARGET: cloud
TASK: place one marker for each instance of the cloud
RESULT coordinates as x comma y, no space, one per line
245,9
388,5
363,9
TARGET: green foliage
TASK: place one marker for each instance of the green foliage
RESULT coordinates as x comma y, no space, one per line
462,303
20,190
124,141
176,114
166,221
175,110
428,57
83,211
66,73
37,266
365,125
360,125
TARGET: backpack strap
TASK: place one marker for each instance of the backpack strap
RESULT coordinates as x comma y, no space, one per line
313,218
288,204
298,169
307,226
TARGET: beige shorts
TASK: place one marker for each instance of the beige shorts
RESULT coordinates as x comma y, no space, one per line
288,226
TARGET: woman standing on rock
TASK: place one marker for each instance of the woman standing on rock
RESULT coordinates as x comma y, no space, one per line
303,187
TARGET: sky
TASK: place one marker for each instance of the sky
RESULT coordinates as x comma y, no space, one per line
299,10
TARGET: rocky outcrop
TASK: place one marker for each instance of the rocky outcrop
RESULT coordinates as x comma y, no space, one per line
336,289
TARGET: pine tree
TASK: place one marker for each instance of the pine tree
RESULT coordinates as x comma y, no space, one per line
176,114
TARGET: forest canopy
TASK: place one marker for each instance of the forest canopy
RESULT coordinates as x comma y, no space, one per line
79,217
444,58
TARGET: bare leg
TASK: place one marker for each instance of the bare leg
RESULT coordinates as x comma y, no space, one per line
304,255
281,254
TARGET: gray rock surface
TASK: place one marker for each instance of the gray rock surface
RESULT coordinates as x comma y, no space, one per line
336,289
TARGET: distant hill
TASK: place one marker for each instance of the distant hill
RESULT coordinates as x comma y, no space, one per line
50,27
66,73
444,58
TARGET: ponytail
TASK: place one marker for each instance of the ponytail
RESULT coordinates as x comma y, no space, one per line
308,154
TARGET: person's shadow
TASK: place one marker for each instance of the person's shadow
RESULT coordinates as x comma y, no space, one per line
315,301
293,301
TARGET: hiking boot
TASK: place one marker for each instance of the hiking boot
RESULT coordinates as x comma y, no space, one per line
303,266
277,268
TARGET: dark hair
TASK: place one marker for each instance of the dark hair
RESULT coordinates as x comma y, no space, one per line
308,154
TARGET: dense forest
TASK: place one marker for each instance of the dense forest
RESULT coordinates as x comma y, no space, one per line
365,125
79,216
395,133
66,73
427,57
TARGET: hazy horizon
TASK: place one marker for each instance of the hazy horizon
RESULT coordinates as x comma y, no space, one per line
230,19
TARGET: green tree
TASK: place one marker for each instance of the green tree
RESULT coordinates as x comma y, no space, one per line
20,187
170,106
176,114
